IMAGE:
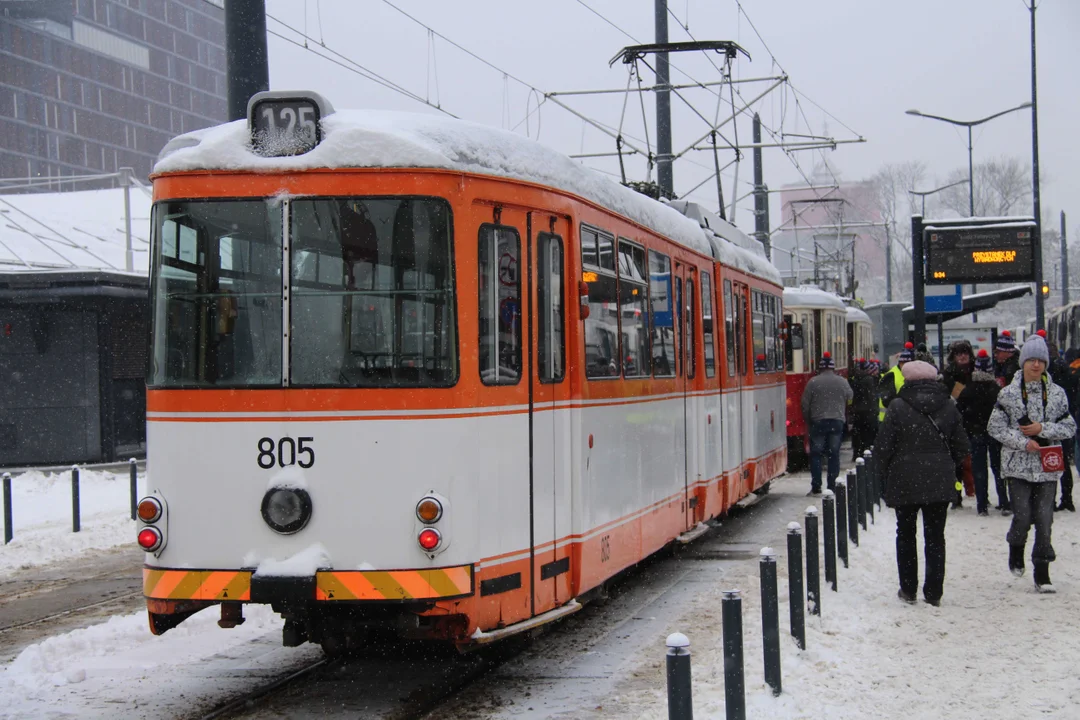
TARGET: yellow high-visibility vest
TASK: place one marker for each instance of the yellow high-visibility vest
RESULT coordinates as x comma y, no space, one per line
898,379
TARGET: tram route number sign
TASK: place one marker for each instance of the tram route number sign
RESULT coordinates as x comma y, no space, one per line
283,126
987,254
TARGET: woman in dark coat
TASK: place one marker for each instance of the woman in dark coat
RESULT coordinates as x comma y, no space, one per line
920,444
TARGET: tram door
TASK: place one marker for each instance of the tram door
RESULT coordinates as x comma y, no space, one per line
685,291
550,431
744,421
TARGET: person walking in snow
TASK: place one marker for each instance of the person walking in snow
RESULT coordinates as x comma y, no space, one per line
864,408
976,401
824,407
1005,368
1031,412
919,447
1061,374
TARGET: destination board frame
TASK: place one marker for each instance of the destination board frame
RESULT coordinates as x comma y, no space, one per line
999,253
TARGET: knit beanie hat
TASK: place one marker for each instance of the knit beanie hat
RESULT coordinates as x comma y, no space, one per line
1034,349
983,363
826,362
907,354
1005,342
918,370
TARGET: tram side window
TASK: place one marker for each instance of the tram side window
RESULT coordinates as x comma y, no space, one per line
216,294
769,307
757,320
633,296
549,292
500,305
707,325
794,342
661,317
729,327
602,326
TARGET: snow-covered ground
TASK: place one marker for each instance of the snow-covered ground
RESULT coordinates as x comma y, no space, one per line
994,649
41,517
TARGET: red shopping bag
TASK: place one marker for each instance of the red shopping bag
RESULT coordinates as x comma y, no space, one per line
1053,459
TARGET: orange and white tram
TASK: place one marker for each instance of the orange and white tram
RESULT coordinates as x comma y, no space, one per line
816,323
418,376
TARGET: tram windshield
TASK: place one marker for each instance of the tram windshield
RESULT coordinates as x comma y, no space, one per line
370,291
217,294
373,293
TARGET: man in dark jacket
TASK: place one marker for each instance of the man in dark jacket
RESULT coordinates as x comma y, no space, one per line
919,447
824,407
864,408
958,367
975,403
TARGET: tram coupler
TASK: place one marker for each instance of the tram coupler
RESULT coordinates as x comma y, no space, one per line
232,614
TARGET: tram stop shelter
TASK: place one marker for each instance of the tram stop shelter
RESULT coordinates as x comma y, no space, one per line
73,352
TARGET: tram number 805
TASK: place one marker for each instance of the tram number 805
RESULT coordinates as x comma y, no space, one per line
285,452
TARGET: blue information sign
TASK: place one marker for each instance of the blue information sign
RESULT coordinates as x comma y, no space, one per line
943,299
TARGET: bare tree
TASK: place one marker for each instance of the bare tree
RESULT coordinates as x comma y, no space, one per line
1002,187
894,205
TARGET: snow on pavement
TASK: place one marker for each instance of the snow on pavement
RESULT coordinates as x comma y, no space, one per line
994,648
41,517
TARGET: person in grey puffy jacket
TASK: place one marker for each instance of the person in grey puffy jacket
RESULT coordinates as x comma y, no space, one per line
1031,412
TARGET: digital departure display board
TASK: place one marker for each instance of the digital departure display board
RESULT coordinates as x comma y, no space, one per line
986,254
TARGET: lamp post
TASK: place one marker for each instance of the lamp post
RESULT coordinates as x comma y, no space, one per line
923,193
972,123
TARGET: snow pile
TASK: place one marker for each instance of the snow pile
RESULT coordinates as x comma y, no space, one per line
41,517
303,564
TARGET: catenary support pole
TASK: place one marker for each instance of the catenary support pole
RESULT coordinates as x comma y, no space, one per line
1064,263
664,175
247,70
761,193
770,620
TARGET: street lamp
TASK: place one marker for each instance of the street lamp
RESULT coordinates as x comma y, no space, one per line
924,193
970,124
971,168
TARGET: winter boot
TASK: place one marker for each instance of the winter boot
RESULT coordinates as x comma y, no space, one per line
1066,504
958,502
1016,560
1042,578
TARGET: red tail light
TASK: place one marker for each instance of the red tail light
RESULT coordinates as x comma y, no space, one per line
149,539
429,539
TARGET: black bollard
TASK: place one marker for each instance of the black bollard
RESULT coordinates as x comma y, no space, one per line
864,501
828,508
9,532
679,705
770,620
813,576
853,508
133,473
841,520
795,584
734,683
871,489
875,481
75,525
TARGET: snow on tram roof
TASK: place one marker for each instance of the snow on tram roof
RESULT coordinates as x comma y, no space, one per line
855,314
385,139
811,296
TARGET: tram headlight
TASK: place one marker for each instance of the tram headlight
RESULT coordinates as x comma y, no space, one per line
286,510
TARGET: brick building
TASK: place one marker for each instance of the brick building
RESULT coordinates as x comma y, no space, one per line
91,86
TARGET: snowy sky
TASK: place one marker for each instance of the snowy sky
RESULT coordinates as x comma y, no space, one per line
863,62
